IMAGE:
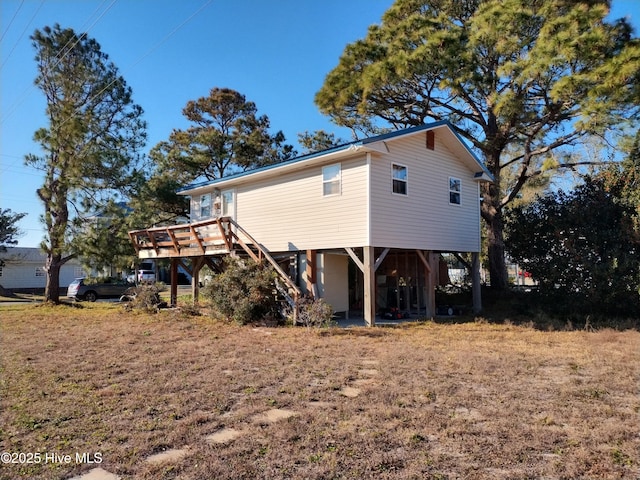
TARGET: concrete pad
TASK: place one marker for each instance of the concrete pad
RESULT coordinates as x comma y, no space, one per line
350,392
223,436
274,415
97,474
169,456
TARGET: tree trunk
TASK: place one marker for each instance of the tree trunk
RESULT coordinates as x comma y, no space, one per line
52,268
495,252
491,210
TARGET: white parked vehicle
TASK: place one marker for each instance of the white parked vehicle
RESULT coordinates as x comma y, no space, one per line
146,276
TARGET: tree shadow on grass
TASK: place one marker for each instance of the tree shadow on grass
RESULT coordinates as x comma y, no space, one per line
528,308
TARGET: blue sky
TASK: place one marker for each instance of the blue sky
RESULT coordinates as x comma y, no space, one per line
275,52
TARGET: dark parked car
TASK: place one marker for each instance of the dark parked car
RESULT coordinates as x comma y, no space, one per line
80,289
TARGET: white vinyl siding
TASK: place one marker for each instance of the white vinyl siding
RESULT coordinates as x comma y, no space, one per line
424,219
286,210
289,212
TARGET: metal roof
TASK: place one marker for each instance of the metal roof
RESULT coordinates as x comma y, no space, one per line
354,146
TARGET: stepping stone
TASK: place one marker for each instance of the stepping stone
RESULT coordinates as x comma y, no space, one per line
274,415
262,330
350,392
223,436
319,404
364,381
370,362
169,456
97,474
369,371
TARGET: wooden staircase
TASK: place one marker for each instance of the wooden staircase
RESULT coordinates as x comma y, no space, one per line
215,237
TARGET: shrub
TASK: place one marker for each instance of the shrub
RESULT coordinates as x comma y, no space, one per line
245,292
582,249
146,298
314,313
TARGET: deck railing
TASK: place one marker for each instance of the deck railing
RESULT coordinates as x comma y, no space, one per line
184,240
210,237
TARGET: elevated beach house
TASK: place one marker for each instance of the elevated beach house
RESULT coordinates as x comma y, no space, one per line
361,225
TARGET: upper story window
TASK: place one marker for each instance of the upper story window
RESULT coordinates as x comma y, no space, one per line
331,179
455,189
399,178
205,205
227,203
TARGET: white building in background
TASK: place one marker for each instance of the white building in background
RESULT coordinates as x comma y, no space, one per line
23,269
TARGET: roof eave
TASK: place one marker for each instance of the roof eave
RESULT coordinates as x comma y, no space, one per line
275,169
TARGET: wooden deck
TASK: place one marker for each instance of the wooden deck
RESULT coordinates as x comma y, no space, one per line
210,237
219,236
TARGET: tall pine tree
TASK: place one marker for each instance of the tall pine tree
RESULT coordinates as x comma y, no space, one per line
520,80
90,145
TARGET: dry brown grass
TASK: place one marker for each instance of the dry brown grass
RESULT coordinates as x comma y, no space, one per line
467,401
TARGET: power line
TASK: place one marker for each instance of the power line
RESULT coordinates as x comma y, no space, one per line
66,50
21,35
149,52
12,19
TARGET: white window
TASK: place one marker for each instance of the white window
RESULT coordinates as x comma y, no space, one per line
205,205
40,272
399,179
331,179
227,203
454,190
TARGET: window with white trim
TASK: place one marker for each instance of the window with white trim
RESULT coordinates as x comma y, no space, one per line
331,179
455,190
227,203
40,272
399,174
205,205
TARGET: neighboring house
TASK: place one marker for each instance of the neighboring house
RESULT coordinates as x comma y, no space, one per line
23,269
361,225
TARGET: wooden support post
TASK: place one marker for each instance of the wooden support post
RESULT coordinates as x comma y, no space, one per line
173,300
430,272
369,286
475,283
197,263
434,260
312,273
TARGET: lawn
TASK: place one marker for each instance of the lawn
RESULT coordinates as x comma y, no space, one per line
470,400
